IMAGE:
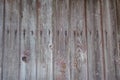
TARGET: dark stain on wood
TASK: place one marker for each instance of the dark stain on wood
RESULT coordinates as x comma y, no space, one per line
32,32
41,33
74,32
90,32
65,33
8,31
49,32
15,33
57,32
38,4
81,33
24,32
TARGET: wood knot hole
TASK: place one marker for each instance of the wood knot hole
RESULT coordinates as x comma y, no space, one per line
24,58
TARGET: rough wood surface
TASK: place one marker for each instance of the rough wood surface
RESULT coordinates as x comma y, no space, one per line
59,39
44,43
94,39
1,35
98,44
11,41
109,25
78,43
28,37
117,57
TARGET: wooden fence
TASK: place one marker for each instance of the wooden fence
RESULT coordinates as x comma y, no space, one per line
59,39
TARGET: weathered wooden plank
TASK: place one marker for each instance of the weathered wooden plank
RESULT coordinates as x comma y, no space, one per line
1,34
117,57
28,37
44,40
80,41
95,40
78,44
11,41
90,39
118,16
98,40
60,40
109,25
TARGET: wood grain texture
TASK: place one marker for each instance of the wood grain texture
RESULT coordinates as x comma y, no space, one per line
11,41
78,44
90,12
1,35
95,40
60,40
44,40
109,25
28,37
117,57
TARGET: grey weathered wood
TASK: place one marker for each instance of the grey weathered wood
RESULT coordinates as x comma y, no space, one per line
78,44
95,40
1,35
11,41
60,40
28,37
117,57
118,16
90,39
44,44
109,25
